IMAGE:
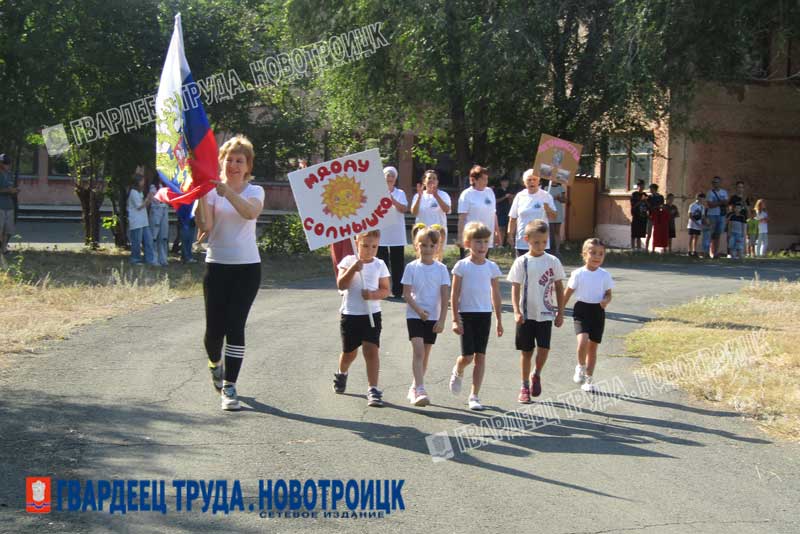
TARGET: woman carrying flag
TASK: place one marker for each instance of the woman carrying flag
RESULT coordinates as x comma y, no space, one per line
233,263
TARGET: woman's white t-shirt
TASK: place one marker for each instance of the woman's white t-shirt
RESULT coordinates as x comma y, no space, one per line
137,213
590,286
352,301
429,210
479,206
526,207
762,226
232,240
394,233
476,284
426,283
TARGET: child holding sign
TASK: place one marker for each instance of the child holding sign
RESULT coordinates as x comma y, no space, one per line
362,278
476,291
426,288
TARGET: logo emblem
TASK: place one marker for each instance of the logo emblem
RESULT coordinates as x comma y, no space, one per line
37,495
439,446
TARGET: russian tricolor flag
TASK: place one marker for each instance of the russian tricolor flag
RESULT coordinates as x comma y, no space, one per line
186,150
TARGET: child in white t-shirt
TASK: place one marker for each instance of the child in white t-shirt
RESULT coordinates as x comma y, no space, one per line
763,233
592,288
534,277
426,290
476,291
364,281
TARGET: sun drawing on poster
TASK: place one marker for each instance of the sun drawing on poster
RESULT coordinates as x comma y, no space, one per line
342,197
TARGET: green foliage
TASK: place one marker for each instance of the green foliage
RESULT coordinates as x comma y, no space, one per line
284,235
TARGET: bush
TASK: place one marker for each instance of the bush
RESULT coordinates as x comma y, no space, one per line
284,235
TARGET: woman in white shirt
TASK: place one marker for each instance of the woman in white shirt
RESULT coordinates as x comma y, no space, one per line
430,204
138,226
529,204
233,263
393,235
477,203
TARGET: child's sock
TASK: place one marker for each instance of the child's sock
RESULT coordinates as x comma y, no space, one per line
341,373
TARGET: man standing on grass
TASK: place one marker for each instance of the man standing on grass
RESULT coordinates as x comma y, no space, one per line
7,192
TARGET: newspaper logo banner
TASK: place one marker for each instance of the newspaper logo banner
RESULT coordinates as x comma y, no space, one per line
341,198
557,159
37,495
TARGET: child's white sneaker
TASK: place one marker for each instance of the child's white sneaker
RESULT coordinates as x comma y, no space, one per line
412,394
455,382
580,374
588,384
474,403
422,398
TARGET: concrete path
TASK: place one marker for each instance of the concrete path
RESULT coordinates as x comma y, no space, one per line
121,400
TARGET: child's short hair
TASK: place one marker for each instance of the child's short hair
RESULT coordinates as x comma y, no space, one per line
700,196
592,242
670,195
422,232
370,233
476,230
536,226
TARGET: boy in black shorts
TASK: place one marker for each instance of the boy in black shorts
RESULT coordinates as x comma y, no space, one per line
533,278
364,281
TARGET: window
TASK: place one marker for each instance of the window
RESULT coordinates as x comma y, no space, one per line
58,166
28,161
627,162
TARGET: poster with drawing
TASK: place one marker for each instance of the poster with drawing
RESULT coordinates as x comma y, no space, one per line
557,159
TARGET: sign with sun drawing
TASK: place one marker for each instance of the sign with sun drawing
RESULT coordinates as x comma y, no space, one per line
341,198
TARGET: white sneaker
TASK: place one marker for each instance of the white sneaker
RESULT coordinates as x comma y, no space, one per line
588,385
228,397
455,383
421,398
580,374
412,394
474,403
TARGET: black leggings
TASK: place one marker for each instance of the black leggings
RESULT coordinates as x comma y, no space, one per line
229,291
394,258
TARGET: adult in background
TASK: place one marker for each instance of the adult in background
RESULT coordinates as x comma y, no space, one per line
639,215
559,194
503,195
159,224
717,201
7,193
477,203
529,204
233,263
430,204
393,235
138,225
654,202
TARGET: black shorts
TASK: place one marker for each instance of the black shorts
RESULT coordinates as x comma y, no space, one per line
355,330
589,319
476,332
423,329
692,231
531,334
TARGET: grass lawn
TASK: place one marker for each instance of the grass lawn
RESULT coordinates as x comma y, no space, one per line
47,294
767,388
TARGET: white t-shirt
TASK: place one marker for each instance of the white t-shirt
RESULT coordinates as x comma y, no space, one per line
426,283
352,301
556,189
762,226
716,196
542,274
394,233
232,240
137,216
693,224
476,284
429,210
479,206
590,286
527,207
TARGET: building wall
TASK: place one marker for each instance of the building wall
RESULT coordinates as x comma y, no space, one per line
753,136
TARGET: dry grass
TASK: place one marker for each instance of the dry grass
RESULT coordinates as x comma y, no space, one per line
45,295
768,387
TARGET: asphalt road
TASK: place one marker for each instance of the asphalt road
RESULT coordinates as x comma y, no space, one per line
130,398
